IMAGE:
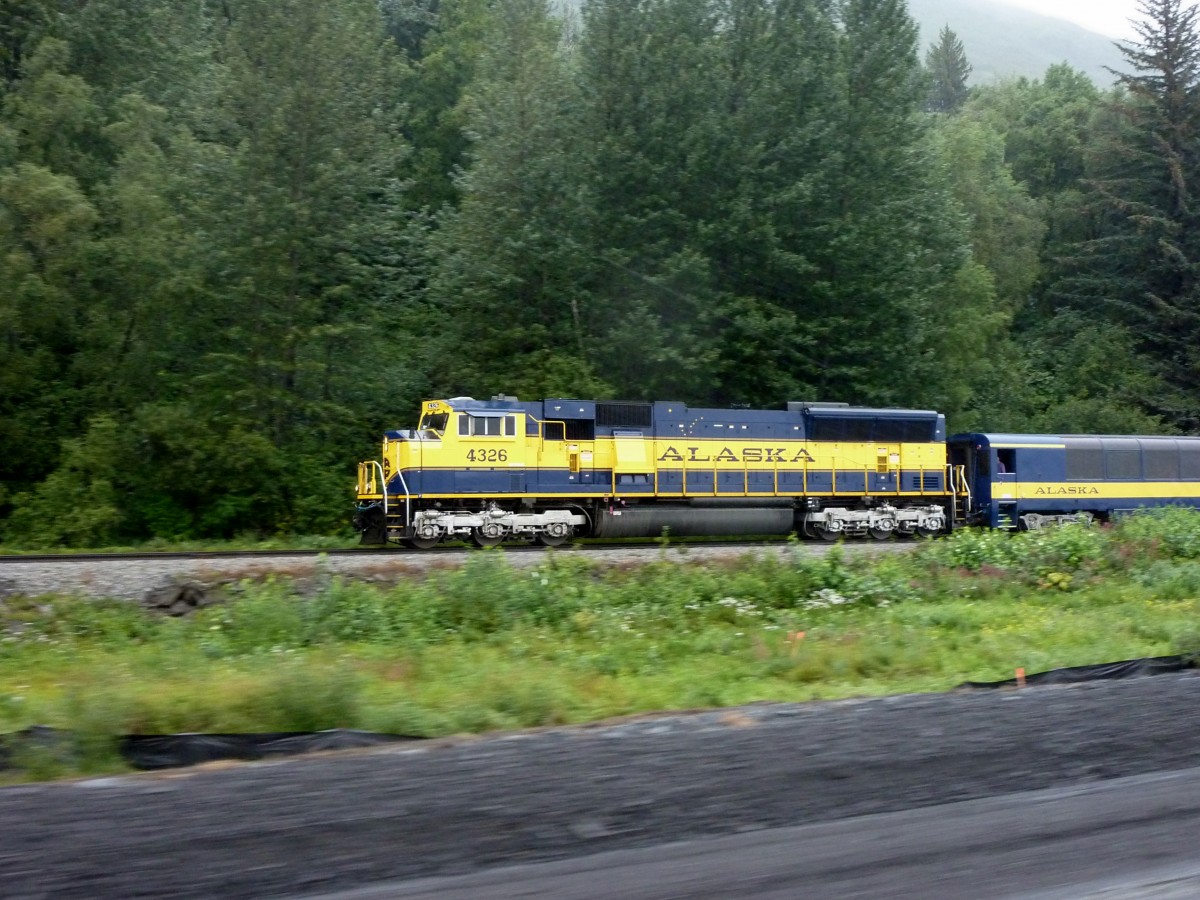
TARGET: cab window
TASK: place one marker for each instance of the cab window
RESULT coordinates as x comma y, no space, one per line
486,426
435,422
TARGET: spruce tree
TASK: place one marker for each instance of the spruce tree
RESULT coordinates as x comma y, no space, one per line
513,270
283,341
1140,266
896,240
650,77
948,69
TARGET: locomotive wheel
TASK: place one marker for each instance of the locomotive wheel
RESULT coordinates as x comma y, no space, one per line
484,540
549,540
926,532
418,543
828,536
880,534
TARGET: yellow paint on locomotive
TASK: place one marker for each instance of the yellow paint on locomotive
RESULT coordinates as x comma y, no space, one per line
456,448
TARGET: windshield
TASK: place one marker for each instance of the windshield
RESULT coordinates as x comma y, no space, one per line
436,422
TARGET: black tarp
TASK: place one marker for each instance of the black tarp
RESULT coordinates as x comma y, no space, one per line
1127,668
166,751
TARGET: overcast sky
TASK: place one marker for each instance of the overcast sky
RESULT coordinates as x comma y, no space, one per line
1109,17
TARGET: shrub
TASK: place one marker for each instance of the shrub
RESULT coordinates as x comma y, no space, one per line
973,549
1171,532
259,617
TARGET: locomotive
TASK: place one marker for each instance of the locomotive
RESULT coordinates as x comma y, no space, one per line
549,470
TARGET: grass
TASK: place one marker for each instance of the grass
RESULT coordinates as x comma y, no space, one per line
489,646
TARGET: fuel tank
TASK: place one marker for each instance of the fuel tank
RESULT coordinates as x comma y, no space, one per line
703,518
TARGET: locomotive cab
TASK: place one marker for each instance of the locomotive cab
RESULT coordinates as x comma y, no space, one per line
460,474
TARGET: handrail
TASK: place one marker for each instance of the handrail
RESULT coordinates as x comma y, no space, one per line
957,476
407,499
383,485
541,423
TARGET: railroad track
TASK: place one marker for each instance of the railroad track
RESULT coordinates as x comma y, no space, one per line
146,576
389,551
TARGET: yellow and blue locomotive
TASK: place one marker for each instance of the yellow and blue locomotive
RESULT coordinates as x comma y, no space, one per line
547,470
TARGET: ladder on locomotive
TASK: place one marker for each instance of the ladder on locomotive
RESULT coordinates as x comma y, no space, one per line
960,489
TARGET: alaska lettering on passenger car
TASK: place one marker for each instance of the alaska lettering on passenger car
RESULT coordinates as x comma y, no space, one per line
750,454
1067,491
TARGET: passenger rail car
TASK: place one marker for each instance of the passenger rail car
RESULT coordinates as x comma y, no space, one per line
1028,481
547,470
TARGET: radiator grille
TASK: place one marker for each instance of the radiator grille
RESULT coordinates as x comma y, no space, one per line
623,415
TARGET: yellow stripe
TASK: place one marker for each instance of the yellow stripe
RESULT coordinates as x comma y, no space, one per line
1096,490
1029,446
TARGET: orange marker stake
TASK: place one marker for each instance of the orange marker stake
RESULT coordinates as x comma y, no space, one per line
794,638
1020,678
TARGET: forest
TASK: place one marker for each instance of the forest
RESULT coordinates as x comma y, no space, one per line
239,238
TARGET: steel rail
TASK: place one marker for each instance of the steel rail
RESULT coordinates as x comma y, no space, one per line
395,550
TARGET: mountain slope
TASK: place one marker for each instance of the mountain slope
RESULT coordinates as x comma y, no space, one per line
1003,41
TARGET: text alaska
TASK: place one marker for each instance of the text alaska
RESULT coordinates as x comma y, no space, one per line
747,454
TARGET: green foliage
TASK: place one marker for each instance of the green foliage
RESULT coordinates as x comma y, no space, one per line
1091,378
496,645
1170,533
511,272
1136,264
78,505
247,236
1033,556
22,24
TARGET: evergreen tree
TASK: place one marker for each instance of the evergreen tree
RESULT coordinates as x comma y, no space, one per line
1139,266
47,230
48,227
443,41
23,23
651,79
896,240
513,271
948,69
284,339
774,193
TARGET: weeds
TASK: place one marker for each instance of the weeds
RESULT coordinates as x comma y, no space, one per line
492,646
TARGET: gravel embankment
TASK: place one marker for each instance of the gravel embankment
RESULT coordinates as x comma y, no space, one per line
157,581
454,806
